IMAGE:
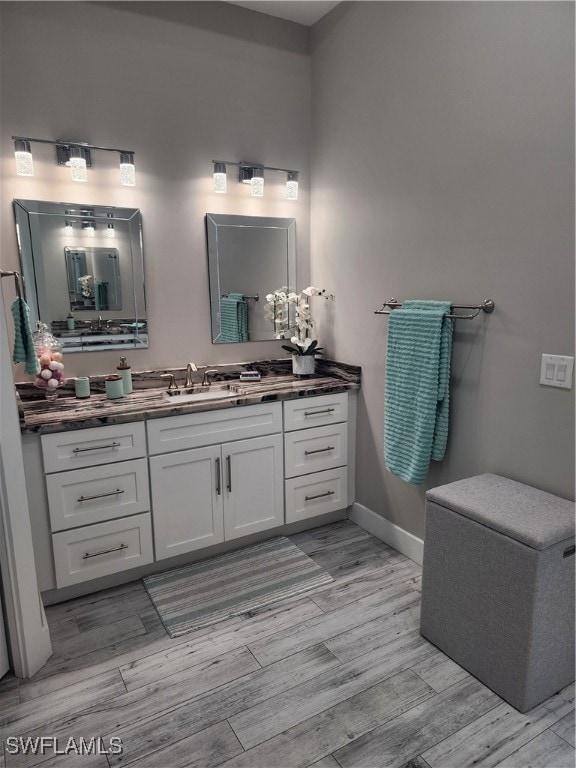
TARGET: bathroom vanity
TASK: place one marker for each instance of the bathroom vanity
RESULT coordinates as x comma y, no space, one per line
118,489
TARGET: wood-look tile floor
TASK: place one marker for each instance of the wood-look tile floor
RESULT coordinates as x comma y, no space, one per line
339,677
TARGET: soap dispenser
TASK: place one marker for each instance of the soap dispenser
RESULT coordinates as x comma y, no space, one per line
126,373
70,321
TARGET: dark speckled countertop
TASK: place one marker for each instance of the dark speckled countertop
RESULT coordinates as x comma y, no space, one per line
37,415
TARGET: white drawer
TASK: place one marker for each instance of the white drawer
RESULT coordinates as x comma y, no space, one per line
194,430
85,496
316,494
100,550
92,447
313,450
315,411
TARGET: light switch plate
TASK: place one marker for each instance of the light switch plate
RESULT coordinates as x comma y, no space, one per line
556,371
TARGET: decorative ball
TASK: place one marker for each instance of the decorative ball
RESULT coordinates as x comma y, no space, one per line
46,373
53,365
40,382
45,359
52,383
57,356
57,375
59,366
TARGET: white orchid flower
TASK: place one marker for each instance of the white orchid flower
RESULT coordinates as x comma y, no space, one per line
311,291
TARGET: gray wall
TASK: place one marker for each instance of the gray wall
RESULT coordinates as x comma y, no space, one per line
181,84
443,168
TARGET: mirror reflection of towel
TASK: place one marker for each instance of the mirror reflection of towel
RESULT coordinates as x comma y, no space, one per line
233,318
101,295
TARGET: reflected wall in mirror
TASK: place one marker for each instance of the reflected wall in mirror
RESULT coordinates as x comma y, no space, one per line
248,257
83,273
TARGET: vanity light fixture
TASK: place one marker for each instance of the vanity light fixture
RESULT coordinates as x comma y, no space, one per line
77,163
77,155
220,178
110,231
88,228
127,169
23,155
253,174
292,186
257,182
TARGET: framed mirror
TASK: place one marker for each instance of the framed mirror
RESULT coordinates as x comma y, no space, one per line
248,258
83,273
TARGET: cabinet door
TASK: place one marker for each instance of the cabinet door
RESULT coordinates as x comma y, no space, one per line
186,500
253,497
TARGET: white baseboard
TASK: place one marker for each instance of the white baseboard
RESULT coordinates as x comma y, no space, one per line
391,534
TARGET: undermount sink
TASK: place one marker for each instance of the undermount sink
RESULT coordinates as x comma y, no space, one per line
194,397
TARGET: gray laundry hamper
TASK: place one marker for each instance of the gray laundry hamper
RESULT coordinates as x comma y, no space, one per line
498,585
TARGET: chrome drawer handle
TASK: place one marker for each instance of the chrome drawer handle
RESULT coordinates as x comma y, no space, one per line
100,495
319,450
97,447
319,495
86,555
229,485
317,413
218,481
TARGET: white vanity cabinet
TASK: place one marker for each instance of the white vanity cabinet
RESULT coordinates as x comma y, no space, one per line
227,488
316,451
98,501
109,499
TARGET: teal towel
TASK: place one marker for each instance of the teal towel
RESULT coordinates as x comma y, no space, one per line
417,393
23,345
233,318
101,296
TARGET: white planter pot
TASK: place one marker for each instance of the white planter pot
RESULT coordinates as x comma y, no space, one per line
303,365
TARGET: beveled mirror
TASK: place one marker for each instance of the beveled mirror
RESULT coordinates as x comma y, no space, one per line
83,273
248,257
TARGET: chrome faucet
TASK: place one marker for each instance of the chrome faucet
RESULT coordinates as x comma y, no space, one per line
172,383
206,377
189,369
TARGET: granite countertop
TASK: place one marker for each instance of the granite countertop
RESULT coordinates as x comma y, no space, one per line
147,401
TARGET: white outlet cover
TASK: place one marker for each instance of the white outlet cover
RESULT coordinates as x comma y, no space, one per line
556,371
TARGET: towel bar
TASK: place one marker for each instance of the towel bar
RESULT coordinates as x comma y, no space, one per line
17,278
486,306
248,298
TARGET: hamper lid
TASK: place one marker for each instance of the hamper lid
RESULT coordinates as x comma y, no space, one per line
534,517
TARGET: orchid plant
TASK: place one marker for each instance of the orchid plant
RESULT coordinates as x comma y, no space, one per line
86,286
278,309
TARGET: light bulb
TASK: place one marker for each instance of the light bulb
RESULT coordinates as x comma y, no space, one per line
220,178
77,164
23,155
68,229
127,169
110,232
88,228
292,186
257,183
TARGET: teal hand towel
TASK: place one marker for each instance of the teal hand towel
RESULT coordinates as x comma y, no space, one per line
101,296
233,318
23,344
417,390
